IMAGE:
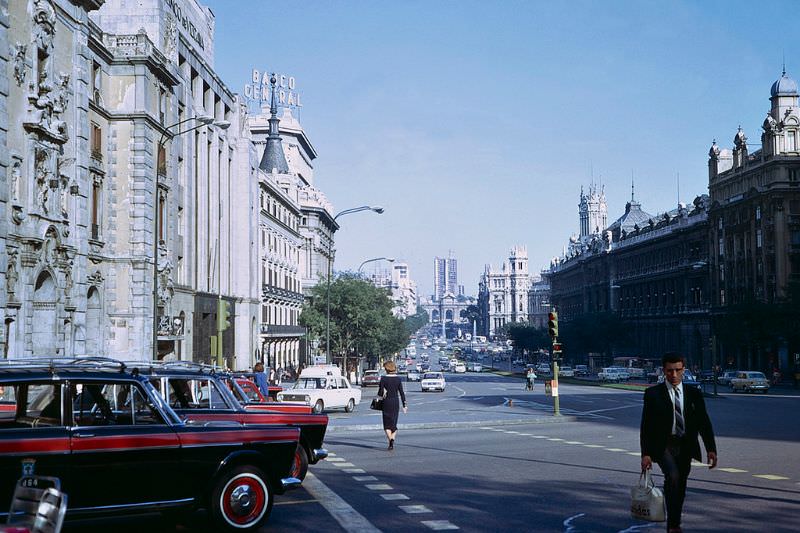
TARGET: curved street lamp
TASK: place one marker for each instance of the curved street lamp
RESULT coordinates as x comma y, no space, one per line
202,120
377,209
389,259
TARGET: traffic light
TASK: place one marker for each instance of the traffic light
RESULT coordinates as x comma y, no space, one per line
223,315
552,324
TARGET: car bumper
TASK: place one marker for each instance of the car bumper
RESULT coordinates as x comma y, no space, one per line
318,455
290,483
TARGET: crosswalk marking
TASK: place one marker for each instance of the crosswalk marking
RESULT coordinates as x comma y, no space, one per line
733,470
555,439
414,509
593,445
365,478
342,465
572,442
438,525
394,497
354,470
335,460
379,486
616,450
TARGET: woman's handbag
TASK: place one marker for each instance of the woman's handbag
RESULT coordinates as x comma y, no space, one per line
647,501
377,403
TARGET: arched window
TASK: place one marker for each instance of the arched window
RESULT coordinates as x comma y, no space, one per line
94,327
43,326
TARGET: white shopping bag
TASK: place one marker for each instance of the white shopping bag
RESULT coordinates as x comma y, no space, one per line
647,502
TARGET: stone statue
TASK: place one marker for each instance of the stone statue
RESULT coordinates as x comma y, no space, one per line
11,272
61,96
18,52
16,175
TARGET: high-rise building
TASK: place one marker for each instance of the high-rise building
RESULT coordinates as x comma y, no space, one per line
445,276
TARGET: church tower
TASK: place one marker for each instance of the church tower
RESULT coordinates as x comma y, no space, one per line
593,212
783,120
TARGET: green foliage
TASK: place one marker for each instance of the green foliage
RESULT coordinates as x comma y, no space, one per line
471,313
361,318
527,337
413,323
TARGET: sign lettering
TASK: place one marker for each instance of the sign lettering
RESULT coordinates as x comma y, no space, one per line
259,89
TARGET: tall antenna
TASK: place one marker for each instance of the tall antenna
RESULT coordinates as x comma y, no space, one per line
632,186
679,187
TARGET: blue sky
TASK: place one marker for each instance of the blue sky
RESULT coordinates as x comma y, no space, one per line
475,124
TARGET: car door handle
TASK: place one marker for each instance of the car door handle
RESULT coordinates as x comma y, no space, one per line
84,435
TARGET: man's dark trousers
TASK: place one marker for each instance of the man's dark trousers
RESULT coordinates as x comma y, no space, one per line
675,464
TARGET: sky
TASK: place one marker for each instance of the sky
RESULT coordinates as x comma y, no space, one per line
475,124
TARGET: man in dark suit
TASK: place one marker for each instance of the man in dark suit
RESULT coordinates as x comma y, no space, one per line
672,418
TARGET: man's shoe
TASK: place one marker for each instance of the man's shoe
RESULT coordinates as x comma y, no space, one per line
391,444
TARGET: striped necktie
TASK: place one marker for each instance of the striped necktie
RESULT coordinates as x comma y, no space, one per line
680,427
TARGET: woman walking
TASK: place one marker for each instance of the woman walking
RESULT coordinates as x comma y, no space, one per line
389,388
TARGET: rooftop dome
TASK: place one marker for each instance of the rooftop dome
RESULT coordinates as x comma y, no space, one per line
784,86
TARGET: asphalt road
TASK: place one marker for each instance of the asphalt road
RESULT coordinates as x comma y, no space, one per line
486,455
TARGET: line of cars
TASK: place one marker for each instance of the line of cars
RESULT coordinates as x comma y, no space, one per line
133,437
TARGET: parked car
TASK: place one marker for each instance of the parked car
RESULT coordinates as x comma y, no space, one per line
566,372
89,420
750,381
371,378
247,394
432,381
323,387
706,376
413,375
581,370
613,375
459,368
474,367
200,394
725,378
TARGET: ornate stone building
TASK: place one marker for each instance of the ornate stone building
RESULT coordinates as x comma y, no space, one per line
129,195
503,293
755,229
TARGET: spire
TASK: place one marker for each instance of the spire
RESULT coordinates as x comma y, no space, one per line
274,159
632,200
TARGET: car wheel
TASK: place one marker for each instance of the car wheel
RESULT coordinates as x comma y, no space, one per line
241,499
351,405
318,407
299,463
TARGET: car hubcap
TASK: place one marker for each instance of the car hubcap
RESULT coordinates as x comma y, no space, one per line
244,500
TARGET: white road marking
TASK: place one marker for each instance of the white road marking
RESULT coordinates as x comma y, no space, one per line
342,465
438,525
340,510
365,478
394,497
335,460
555,439
379,486
414,509
331,454
733,470
573,442
639,527
568,522
592,445
354,470
771,477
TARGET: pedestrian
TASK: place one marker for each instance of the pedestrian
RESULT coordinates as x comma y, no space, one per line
272,378
672,417
530,377
261,379
389,387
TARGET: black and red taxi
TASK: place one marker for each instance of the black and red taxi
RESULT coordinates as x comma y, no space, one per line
202,395
118,448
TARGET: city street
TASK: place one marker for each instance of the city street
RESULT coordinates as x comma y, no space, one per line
487,456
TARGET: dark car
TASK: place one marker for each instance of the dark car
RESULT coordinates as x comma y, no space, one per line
89,422
371,378
706,376
200,393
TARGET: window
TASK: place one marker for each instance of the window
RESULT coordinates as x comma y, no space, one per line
97,199
103,404
758,238
791,143
97,142
162,160
758,212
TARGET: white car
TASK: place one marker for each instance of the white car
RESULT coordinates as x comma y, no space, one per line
566,372
432,381
322,387
612,375
459,368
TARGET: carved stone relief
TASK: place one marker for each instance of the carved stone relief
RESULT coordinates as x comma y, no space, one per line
12,273
18,52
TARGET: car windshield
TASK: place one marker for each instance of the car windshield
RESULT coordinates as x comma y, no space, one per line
757,375
432,375
310,383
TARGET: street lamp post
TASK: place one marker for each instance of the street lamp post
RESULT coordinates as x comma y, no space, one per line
202,120
389,259
376,209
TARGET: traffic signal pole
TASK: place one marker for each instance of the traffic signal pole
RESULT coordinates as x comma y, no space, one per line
552,329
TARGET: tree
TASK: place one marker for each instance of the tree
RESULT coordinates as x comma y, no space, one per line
361,319
471,313
413,323
527,337
593,332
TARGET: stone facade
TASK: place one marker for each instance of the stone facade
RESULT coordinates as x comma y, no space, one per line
503,293
129,195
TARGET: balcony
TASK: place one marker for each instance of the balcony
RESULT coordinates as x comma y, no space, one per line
281,330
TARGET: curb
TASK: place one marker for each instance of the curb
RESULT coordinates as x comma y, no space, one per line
441,425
